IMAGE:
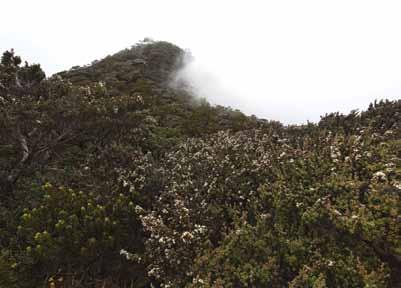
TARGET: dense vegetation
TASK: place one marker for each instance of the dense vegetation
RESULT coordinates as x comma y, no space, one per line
110,176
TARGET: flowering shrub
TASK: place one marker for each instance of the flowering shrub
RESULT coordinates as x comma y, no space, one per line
301,197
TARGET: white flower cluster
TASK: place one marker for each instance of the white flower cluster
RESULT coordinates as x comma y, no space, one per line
379,176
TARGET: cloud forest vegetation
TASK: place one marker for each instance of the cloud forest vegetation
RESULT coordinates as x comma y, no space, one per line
115,175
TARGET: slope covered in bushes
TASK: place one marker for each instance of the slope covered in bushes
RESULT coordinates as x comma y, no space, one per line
111,177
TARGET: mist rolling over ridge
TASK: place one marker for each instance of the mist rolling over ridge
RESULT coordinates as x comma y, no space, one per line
293,95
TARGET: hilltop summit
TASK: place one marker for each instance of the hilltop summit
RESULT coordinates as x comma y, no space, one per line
152,60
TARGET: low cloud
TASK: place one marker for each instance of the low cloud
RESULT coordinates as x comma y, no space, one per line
292,90
202,83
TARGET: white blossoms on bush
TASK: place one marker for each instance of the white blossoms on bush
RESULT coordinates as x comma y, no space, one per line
139,209
397,185
187,236
154,272
379,176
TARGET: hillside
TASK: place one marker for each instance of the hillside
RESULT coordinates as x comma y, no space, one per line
115,175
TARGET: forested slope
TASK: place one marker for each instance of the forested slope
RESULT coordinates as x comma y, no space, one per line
110,176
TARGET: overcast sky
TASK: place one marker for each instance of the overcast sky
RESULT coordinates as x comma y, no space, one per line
285,60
